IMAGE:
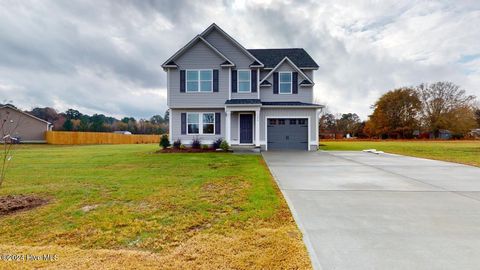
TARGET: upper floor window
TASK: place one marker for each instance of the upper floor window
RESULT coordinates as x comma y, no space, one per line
199,80
285,82
200,123
244,81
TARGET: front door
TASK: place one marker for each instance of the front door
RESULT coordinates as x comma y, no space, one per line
246,128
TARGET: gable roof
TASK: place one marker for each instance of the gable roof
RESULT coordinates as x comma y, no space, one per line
192,42
247,52
271,57
293,65
20,111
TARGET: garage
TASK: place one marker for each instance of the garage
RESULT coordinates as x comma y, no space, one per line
287,133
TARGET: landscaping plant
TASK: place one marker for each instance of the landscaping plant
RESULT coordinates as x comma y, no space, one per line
164,141
224,146
216,144
196,143
177,143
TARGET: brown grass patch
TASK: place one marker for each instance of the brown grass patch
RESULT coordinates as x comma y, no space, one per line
265,248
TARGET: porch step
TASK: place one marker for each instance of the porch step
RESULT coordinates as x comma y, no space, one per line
245,149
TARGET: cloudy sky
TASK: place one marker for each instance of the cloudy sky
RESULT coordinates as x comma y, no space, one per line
105,56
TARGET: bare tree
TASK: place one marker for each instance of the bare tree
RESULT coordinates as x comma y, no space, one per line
441,102
8,126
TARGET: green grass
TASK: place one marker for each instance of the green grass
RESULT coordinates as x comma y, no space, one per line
466,152
145,201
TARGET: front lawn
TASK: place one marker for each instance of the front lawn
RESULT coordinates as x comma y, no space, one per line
466,152
125,206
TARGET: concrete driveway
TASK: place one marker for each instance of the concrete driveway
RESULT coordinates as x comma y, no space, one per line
365,211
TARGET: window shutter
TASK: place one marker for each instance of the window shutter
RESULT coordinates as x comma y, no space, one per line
295,82
234,81
275,82
254,81
215,80
184,123
182,81
218,118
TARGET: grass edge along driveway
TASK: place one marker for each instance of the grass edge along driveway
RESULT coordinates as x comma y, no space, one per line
148,210
466,152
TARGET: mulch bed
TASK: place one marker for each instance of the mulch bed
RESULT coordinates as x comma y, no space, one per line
186,150
14,203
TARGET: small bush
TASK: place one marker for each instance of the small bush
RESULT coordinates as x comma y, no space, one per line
216,144
224,145
205,146
177,144
181,147
164,141
196,143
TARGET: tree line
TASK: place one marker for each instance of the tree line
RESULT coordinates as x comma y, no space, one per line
424,111
74,120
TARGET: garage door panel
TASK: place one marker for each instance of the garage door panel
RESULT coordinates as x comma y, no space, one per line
287,134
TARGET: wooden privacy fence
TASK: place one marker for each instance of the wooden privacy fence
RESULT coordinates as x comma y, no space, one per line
67,137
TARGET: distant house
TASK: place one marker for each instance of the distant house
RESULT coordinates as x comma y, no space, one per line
22,125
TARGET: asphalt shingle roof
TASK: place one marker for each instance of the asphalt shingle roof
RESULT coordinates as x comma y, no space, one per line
271,57
243,101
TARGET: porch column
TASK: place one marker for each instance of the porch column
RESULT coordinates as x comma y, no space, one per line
228,128
257,128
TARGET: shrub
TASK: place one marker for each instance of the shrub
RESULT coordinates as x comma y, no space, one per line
164,141
224,145
196,143
182,147
177,144
216,144
205,146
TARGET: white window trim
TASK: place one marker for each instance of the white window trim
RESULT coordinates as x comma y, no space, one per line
198,81
249,81
200,123
280,82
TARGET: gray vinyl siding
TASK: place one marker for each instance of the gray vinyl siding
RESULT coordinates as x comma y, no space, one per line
244,95
305,94
292,112
187,139
229,49
199,56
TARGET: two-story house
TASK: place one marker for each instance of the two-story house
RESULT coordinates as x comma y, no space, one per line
260,97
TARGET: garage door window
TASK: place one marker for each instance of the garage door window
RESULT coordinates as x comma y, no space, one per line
302,121
293,121
272,121
281,121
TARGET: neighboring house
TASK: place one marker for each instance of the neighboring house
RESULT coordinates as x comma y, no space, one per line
259,97
20,124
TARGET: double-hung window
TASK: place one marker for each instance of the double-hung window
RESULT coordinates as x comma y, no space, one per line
200,123
199,80
285,83
244,85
